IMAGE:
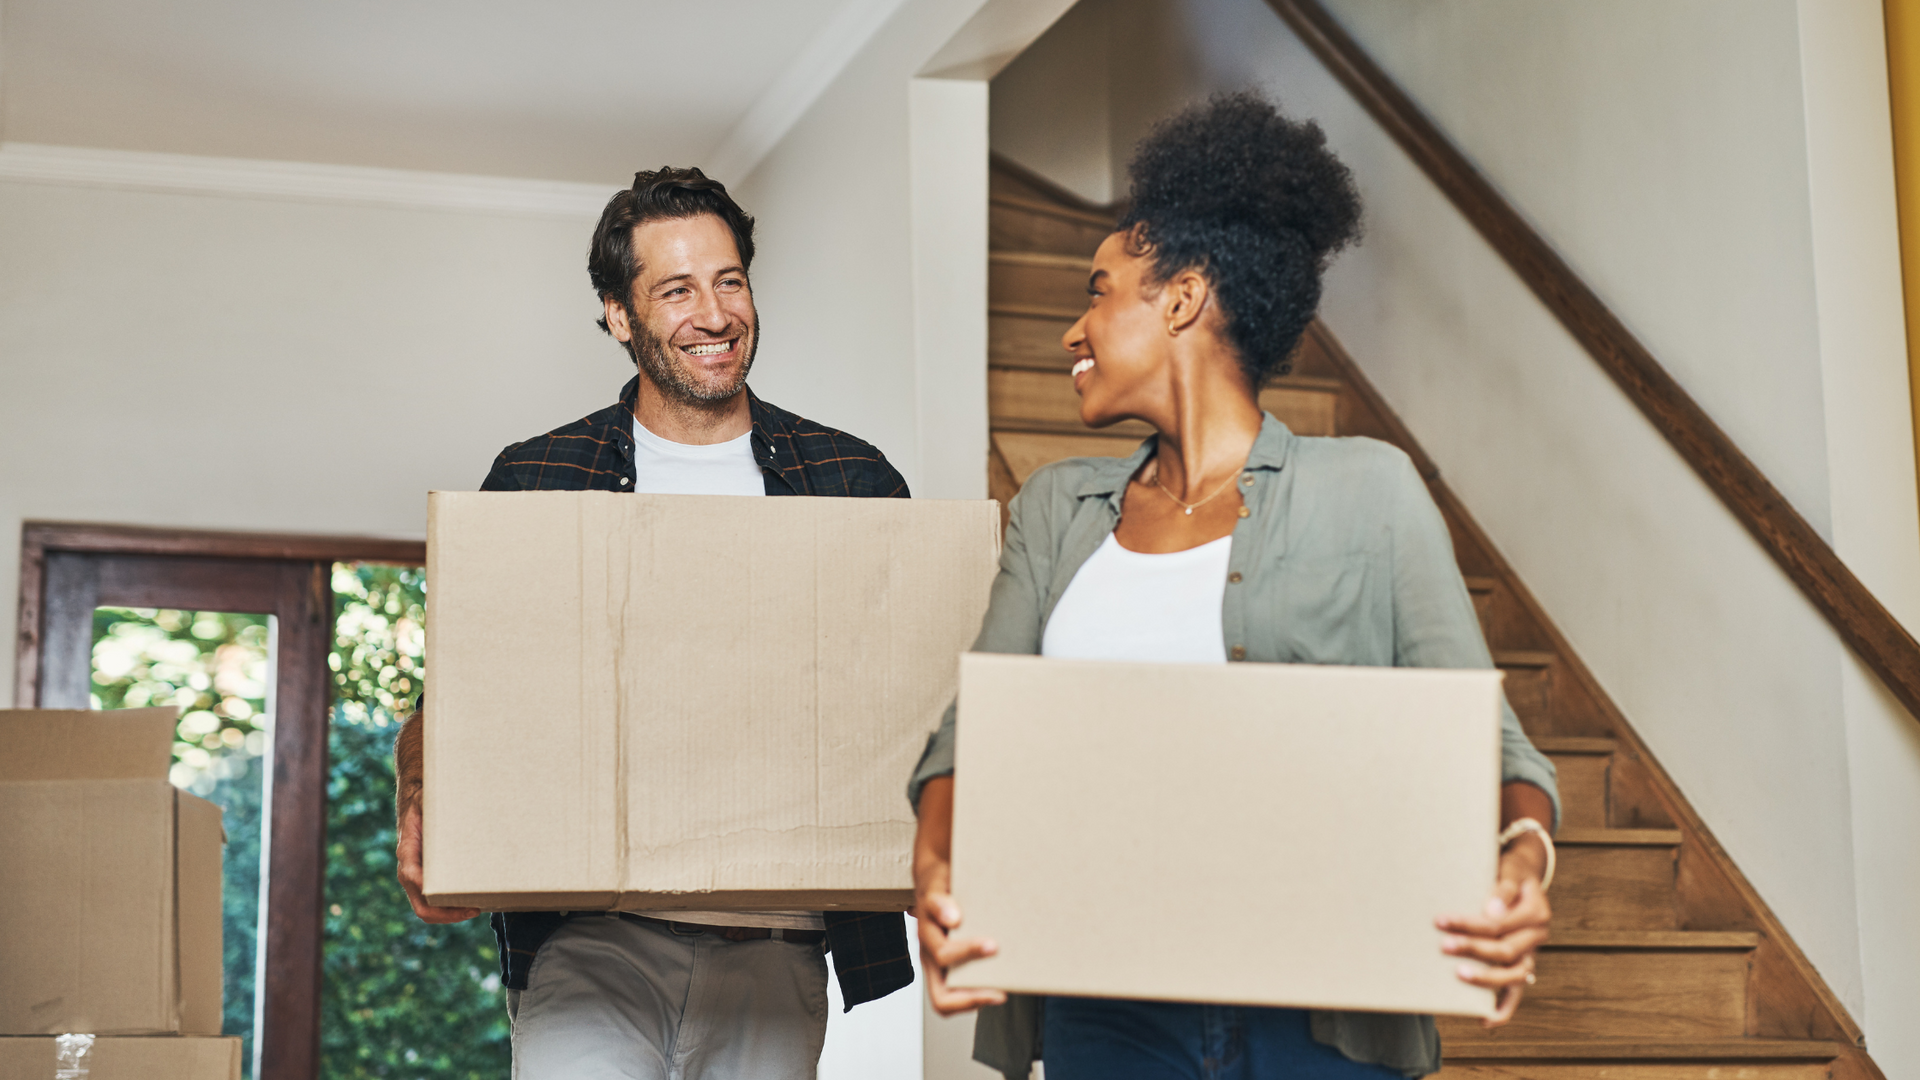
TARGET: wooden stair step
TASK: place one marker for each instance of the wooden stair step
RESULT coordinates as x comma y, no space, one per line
1584,765
1018,223
1618,837
1025,451
1019,338
1050,209
1044,401
1654,939
1616,879
1575,744
1037,277
1463,1049
1637,1059
1022,310
1080,265
1673,983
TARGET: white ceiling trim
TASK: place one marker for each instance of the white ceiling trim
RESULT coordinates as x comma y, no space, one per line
795,90
300,181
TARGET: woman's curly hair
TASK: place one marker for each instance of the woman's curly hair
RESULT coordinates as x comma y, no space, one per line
1254,201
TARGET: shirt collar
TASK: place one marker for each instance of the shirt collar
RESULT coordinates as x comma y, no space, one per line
770,430
1271,448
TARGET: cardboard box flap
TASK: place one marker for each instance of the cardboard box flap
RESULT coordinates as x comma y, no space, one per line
1331,812
198,837
78,744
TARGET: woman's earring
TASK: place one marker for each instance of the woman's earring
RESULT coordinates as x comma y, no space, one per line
1172,330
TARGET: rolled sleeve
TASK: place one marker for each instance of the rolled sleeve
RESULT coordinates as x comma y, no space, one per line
1435,624
1011,623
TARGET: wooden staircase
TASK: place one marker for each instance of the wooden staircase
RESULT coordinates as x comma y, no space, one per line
1664,963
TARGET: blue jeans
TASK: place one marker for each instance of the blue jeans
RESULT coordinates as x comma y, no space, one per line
1102,1039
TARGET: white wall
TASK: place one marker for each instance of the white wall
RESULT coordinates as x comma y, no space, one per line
1065,75
240,363
1719,171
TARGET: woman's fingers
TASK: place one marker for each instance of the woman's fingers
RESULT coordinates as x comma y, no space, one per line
1495,977
938,914
1507,910
959,950
1503,1005
947,1000
1500,951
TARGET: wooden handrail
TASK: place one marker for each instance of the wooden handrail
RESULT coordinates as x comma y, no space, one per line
1854,613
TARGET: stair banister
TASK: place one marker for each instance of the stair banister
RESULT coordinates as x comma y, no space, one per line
1855,614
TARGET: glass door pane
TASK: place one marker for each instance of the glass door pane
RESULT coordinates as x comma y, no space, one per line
216,668
401,998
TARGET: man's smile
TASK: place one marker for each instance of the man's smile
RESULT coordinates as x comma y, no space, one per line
709,349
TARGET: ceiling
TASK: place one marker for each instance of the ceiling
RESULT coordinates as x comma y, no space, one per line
586,90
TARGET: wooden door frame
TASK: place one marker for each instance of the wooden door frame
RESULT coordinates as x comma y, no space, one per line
287,576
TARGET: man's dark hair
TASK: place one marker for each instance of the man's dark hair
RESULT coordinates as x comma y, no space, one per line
1255,202
665,194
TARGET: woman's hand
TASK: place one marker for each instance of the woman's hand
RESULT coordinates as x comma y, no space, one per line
937,912
1498,945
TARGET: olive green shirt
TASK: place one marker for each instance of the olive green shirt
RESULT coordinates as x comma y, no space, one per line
1342,558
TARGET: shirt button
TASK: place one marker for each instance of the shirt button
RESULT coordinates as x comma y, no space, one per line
1239,652
1244,512
1246,480
624,481
1233,578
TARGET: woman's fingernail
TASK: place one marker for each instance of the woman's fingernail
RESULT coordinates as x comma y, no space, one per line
1451,943
1468,971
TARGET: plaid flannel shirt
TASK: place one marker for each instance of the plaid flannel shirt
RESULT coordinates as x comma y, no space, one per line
797,457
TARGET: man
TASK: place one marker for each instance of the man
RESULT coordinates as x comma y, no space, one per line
716,995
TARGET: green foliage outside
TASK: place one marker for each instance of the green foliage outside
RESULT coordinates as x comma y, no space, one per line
401,999
213,667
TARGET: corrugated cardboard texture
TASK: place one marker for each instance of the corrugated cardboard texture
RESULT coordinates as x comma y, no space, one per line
198,839
157,1057
658,702
1269,834
76,744
90,913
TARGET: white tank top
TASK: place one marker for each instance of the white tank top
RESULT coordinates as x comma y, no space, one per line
1126,605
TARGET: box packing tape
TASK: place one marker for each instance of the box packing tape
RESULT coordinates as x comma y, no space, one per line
71,1055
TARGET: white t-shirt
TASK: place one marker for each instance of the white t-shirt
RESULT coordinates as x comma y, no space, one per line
1127,605
664,467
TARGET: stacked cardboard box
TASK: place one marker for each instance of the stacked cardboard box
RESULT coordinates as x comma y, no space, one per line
110,915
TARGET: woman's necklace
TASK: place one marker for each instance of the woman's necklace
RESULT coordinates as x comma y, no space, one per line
1189,507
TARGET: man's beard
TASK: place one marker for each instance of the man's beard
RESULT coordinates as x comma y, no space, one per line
662,363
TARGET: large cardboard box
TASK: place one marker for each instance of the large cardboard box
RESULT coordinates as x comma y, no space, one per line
158,1057
1267,834
110,915
659,702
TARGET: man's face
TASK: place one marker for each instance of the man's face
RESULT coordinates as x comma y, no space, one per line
691,325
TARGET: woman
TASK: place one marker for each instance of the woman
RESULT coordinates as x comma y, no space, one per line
1168,555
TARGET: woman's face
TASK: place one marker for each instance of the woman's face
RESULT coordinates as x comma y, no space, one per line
1120,345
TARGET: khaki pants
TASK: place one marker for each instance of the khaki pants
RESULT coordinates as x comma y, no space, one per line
613,999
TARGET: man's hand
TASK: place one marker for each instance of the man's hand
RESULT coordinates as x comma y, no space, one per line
413,877
937,913
407,787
